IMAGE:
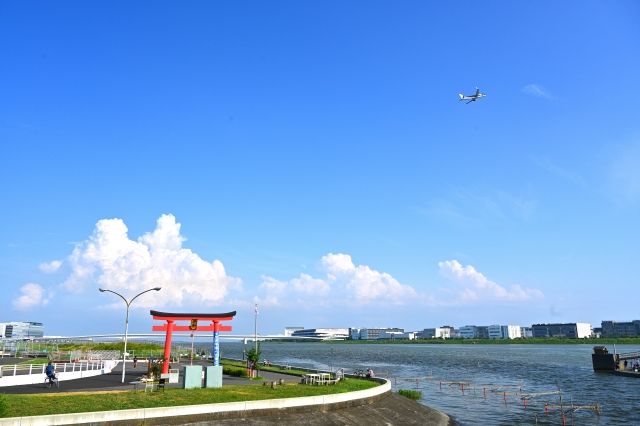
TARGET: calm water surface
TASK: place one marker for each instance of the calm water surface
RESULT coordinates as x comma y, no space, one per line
496,376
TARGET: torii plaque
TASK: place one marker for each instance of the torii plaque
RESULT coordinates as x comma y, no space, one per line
193,326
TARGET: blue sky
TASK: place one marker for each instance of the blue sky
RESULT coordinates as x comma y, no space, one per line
313,157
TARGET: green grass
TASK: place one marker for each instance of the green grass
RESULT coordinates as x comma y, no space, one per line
227,363
74,402
112,346
3,405
411,394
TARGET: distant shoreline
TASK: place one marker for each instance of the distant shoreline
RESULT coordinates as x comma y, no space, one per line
528,341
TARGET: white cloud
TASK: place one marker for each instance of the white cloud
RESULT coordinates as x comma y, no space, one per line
537,91
364,283
477,286
111,260
33,295
50,267
306,284
344,281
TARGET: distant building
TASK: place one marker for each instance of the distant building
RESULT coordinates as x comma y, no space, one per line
449,332
497,331
468,332
288,331
372,333
435,333
21,330
526,332
574,330
387,334
621,329
482,332
323,333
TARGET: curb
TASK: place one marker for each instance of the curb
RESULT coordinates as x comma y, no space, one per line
206,411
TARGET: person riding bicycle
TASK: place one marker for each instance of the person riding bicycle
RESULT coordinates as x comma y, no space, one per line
50,371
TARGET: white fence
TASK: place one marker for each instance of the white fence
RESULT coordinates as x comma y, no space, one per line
24,374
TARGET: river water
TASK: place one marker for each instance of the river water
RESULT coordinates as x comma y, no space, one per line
482,384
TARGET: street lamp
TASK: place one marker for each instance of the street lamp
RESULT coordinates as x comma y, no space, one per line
126,321
255,327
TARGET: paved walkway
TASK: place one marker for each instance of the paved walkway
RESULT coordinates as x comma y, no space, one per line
113,381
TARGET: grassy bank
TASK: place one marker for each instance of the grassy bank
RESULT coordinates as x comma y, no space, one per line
239,368
74,402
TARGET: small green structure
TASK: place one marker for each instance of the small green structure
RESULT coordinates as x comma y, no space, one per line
213,377
192,376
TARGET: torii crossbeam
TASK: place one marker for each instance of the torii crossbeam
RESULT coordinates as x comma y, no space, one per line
171,326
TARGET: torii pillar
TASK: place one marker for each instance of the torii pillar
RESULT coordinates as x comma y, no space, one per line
170,327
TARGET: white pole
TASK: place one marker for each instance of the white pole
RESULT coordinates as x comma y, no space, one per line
255,329
126,333
126,321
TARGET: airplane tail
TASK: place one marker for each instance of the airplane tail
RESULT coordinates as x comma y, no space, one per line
461,96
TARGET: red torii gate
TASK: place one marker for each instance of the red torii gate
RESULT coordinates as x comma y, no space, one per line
170,327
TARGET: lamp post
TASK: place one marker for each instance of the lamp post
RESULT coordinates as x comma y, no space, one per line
126,321
255,328
255,339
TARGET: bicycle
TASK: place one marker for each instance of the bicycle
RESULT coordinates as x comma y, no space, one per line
50,381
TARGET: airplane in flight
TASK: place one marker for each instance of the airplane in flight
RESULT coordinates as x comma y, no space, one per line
472,98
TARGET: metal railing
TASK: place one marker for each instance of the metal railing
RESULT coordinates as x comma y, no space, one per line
67,367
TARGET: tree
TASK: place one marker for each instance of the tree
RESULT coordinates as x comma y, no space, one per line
253,357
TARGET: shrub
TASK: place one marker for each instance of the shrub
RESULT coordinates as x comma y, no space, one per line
411,394
234,371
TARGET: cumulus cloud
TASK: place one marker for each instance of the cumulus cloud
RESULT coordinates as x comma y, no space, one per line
33,295
364,283
537,91
477,286
343,280
110,259
50,267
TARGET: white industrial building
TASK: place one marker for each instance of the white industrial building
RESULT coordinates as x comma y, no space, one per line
21,330
288,331
397,335
372,333
497,331
323,333
437,333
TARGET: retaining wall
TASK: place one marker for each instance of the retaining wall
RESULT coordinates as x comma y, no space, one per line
206,411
